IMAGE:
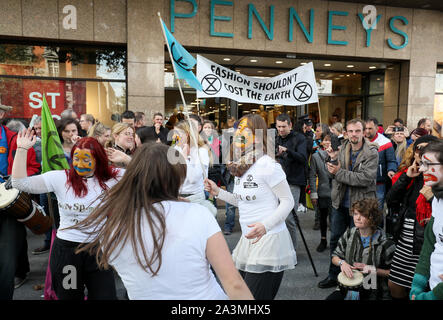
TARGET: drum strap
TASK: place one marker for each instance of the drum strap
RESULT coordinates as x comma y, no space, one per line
4,151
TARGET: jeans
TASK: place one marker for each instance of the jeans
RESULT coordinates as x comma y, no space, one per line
340,221
290,220
230,211
12,244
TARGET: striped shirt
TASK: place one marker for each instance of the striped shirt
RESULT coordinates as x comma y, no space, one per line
378,254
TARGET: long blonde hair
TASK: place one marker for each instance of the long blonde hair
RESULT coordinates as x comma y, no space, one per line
184,125
116,130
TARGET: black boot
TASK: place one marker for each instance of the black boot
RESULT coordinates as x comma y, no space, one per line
322,246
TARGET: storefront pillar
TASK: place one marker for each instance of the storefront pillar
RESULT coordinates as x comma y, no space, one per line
145,58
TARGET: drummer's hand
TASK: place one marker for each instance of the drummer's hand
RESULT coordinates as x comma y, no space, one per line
26,139
359,266
257,232
346,268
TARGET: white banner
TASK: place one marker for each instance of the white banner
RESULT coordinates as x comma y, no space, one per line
293,88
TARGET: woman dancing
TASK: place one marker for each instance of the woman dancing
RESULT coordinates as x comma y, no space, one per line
77,191
264,200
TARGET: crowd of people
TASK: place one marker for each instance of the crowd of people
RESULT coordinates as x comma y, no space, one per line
140,202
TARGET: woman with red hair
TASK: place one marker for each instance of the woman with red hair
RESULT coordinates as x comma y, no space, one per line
78,191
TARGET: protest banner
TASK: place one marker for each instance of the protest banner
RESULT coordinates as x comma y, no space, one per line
293,88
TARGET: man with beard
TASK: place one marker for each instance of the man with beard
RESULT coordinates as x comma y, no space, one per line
353,170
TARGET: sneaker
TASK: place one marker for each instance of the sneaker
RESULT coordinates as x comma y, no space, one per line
322,246
40,250
18,282
301,208
227,232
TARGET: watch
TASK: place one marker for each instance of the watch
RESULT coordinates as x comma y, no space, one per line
340,262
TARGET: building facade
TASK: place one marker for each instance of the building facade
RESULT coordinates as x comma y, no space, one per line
105,56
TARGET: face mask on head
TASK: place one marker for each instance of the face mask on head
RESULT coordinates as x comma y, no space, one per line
243,137
84,162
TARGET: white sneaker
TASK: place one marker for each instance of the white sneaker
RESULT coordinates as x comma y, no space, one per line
301,208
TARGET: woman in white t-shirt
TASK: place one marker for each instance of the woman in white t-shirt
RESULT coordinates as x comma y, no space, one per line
161,247
77,191
198,159
264,200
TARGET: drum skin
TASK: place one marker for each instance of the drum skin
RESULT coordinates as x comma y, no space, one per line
354,284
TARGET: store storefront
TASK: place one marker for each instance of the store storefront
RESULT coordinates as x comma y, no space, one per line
103,57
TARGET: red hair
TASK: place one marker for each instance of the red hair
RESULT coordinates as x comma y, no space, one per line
103,171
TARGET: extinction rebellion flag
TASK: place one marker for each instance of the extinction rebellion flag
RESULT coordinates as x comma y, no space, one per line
293,88
53,157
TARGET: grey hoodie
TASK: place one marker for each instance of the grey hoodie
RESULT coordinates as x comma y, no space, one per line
361,181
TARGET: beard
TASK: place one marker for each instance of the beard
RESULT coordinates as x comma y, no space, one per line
355,140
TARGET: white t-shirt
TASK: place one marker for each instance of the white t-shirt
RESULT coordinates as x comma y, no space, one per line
74,209
185,272
437,254
194,182
256,201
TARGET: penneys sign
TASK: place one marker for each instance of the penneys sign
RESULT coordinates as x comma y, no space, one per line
333,25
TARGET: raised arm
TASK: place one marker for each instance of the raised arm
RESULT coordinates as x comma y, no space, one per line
19,176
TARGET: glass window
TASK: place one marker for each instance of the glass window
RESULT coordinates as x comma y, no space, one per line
63,61
101,99
98,85
375,107
376,84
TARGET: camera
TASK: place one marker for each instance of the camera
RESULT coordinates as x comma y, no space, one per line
334,162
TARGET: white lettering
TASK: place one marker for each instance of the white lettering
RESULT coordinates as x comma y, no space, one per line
70,21
36,97
53,95
70,281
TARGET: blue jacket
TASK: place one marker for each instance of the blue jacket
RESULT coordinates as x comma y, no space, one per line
386,157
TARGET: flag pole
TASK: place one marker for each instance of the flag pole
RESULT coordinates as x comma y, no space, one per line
193,138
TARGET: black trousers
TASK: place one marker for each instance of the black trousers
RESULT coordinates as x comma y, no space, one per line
12,247
263,286
72,272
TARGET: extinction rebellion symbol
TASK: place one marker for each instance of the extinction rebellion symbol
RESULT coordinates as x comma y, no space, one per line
211,84
302,91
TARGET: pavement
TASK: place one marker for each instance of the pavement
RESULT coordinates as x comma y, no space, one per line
299,283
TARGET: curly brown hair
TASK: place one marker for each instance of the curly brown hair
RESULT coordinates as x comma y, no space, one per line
368,208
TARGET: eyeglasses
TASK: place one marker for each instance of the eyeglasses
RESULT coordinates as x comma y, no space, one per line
425,165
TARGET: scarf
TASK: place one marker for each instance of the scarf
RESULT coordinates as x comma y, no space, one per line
245,161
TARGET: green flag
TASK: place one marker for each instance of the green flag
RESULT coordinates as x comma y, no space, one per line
53,157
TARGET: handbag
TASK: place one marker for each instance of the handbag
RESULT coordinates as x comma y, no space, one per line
394,222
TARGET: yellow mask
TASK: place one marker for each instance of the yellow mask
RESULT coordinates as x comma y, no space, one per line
243,137
83,162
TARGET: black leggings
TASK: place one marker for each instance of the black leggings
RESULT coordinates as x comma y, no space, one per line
71,272
263,286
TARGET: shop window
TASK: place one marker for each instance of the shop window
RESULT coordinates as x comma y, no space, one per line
86,79
438,103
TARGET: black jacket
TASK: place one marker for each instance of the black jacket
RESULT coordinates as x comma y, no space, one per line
294,160
401,199
163,135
